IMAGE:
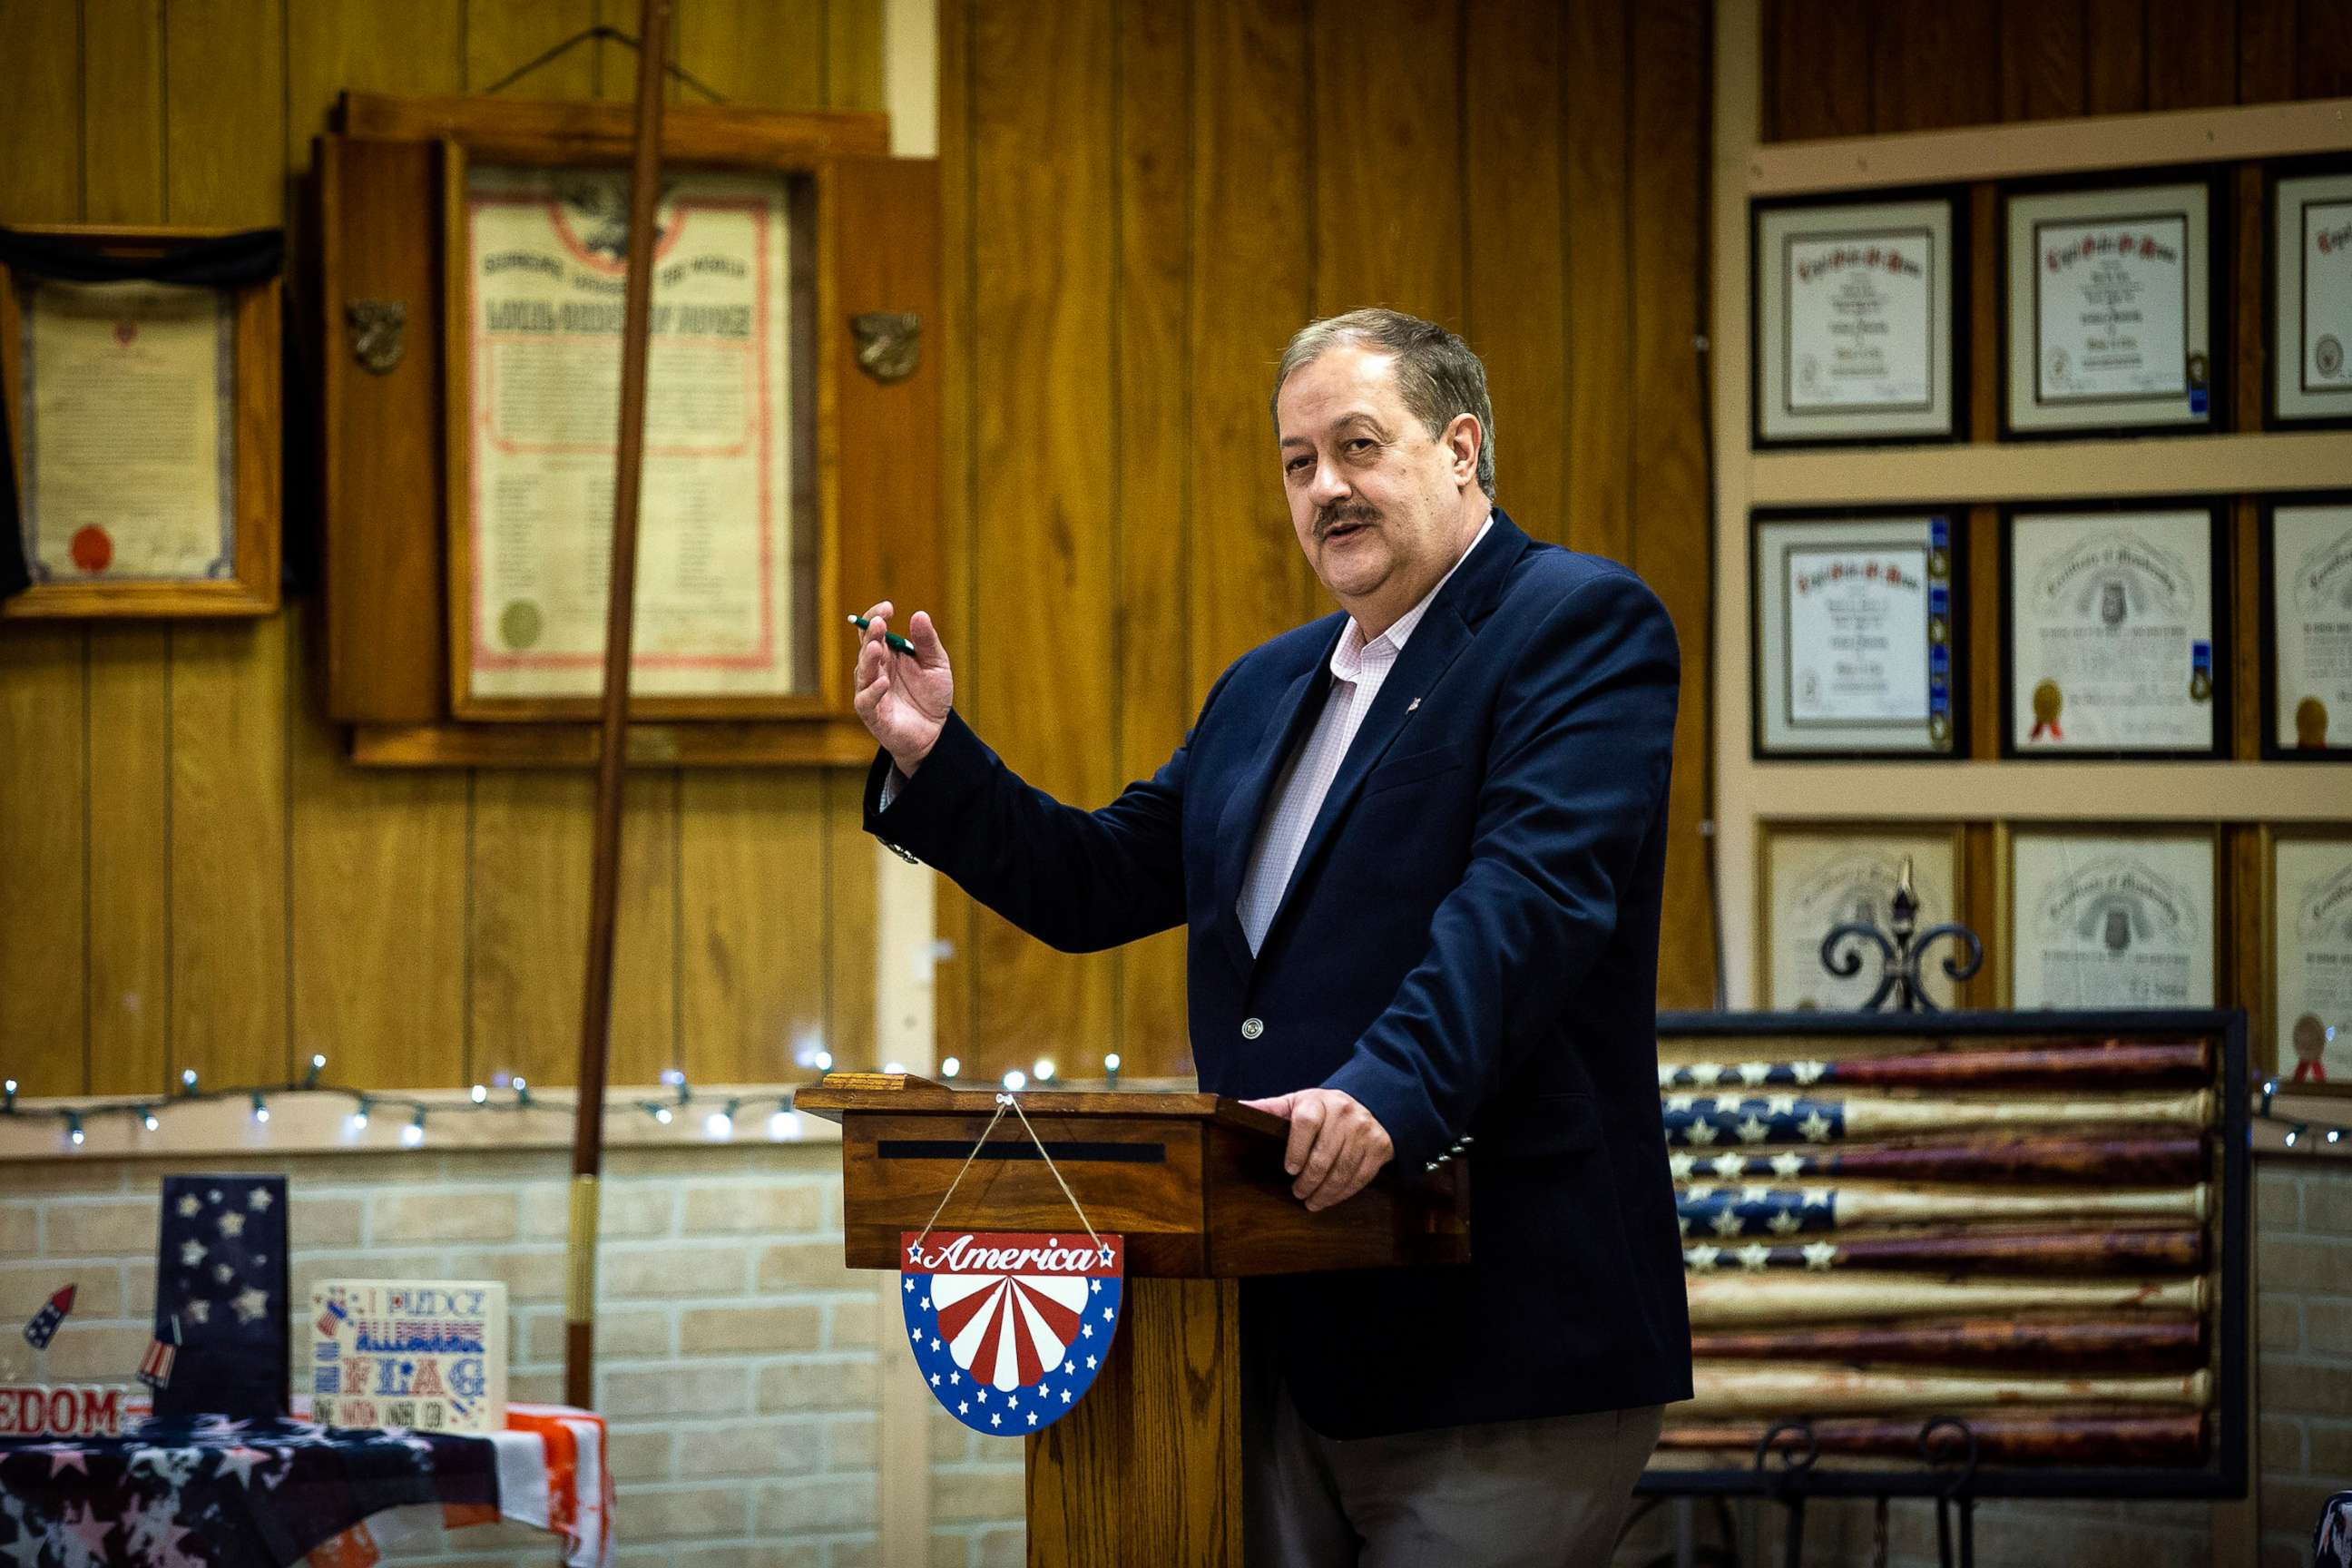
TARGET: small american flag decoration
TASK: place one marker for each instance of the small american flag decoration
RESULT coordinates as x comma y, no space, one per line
220,1338
1010,1329
425,1354
44,1326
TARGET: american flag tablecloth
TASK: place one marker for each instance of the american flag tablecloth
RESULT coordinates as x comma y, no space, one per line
216,1493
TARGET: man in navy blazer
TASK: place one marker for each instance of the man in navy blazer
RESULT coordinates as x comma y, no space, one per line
1418,847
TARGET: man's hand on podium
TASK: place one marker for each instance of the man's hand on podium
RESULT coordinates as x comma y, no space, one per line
1335,1145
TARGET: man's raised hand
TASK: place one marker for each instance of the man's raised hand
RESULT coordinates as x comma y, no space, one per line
1335,1145
903,698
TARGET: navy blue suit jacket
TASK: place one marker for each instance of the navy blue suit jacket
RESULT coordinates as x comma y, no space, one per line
1468,946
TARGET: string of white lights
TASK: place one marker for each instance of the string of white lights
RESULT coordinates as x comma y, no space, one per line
503,1093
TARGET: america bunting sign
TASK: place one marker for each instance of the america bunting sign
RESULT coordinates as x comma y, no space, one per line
1009,1329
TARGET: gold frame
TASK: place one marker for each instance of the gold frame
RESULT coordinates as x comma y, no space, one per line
812,340
2004,864
255,417
1771,830
2268,1011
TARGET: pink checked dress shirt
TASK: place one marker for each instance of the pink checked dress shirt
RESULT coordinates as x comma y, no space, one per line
1357,670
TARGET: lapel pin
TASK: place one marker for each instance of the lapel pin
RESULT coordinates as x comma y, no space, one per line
1411,705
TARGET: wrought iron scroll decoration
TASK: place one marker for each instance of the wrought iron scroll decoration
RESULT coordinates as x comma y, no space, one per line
1901,950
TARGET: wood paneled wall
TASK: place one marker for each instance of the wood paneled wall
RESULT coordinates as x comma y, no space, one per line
190,875
1144,199
1851,68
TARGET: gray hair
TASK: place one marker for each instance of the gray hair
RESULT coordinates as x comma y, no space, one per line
1438,375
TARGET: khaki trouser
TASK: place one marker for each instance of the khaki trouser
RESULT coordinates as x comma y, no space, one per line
1514,1494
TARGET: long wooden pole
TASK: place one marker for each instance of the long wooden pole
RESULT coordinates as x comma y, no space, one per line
620,615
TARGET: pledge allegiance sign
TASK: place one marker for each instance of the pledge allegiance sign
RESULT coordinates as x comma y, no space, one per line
1009,1329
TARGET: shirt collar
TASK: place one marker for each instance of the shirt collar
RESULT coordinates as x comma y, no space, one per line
1347,659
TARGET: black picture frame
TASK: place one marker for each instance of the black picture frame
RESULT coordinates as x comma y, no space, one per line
2272,173
2267,628
1956,517
1955,197
2219,555
2220,255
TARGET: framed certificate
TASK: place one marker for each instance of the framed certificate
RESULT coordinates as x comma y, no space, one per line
2110,310
728,546
2111,625
144,417
2110,917
2311,299
1857,625
2307,955
1816,876
1855,307
2307,628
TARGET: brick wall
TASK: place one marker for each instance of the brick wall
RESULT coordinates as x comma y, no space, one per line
739,1364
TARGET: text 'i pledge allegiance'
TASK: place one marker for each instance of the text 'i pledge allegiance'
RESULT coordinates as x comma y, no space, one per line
983,1252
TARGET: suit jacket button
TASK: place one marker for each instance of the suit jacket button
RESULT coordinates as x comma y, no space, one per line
1252,1028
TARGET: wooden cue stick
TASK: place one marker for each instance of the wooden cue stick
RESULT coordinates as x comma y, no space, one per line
1826,1390
1758,1300
2102,1439
620,626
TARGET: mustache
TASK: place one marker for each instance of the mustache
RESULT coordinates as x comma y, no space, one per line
1331,517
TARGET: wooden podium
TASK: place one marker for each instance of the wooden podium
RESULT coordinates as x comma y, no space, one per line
1148,1469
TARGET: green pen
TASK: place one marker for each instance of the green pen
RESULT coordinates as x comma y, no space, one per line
897,642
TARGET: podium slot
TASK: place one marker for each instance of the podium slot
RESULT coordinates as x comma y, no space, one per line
1079,1154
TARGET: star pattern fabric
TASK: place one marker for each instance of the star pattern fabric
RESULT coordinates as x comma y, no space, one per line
219,1493
1728,1213
1697,1122
221,1329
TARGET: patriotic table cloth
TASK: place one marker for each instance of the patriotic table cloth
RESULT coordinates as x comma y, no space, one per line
216,1493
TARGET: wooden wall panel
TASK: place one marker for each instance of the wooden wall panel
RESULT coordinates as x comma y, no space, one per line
2114,56
1818,67
1387,158
1934,65
1597,515
1670,145
224,113
1142,202
189,873
528,927
957,917
1517,312
1041,139
753,956
853,54
505,38
44,796
1152,464
852,923
2040,59
2323,52
1252,287
755,52
378,883
2193,54
127,722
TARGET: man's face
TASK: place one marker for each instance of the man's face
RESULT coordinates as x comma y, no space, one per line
1378,504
